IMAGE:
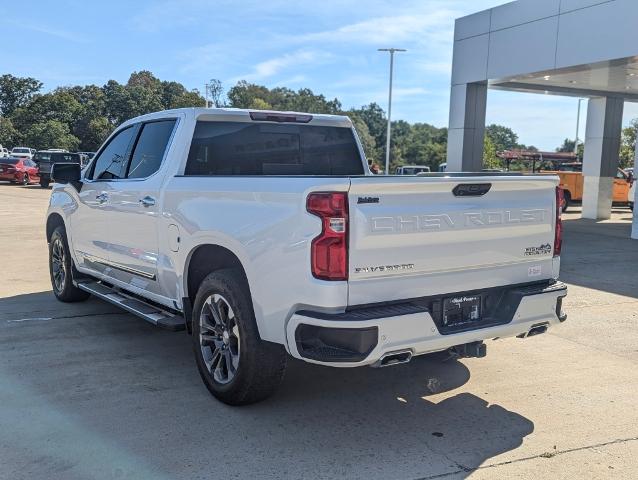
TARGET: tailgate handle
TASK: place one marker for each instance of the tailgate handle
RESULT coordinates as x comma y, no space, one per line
471,189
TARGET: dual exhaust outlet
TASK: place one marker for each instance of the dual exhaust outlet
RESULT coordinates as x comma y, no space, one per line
473,349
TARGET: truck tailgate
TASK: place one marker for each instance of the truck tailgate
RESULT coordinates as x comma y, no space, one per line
414,237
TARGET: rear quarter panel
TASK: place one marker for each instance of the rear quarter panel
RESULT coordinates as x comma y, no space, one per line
263,221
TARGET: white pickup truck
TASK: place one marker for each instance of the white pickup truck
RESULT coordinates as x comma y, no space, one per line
264,234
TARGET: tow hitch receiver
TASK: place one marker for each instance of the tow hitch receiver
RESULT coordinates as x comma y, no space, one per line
468,350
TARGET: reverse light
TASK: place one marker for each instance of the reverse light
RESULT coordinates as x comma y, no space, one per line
329,250
558,229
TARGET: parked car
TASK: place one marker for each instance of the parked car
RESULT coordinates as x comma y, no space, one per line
632,195
265,234
46,158
411,170
21,152
19,170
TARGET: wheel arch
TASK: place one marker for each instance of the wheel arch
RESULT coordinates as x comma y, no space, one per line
54,220
205,259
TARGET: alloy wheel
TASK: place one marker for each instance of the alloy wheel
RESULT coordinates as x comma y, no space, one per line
219,338
58,264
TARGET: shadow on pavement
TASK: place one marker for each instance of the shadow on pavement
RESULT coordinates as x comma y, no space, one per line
600,256
94,390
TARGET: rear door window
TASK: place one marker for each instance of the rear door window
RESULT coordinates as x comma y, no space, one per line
150,148
244,148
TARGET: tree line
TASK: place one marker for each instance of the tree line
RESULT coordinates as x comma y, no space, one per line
81,117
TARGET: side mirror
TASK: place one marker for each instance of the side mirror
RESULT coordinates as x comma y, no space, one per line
66,173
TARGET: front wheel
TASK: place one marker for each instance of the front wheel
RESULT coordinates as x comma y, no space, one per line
25,179
236,366
61,268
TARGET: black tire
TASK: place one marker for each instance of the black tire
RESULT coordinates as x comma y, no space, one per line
44,183
25,179
567,200
61,268
260,365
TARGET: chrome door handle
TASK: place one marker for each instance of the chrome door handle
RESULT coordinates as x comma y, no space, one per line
102,197
147,201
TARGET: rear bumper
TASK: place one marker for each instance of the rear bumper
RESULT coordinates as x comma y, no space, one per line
362,336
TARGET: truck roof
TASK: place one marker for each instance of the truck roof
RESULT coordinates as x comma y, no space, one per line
241,115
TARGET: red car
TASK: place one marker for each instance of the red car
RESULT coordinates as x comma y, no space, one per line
19,170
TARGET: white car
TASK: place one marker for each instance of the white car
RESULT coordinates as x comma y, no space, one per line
265,235
411,169
22,152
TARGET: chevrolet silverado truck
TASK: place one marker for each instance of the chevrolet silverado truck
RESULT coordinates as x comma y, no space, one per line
264,234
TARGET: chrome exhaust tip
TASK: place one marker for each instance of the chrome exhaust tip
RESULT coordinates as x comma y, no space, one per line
535,330
394,358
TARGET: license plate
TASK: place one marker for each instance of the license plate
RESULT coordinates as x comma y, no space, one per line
461,310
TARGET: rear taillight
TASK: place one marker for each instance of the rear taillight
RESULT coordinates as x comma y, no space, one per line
329,250
558,229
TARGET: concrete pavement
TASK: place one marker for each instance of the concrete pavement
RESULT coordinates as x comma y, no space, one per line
87,391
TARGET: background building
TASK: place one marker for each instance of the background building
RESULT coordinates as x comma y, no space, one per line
583,48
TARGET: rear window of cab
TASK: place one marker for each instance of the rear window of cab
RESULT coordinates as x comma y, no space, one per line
245,148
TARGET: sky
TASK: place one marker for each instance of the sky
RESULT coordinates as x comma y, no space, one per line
329,46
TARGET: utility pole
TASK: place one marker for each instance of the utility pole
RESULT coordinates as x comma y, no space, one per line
389,138
206,87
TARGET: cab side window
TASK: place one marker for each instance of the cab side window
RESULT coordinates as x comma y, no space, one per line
111,162
150,148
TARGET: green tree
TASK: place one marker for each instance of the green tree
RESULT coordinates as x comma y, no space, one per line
215,91
374,117
57,105
16,92
175,95
243,94
628,144
490,160
51,134
96,132
367,141
9,135
567,146
503,138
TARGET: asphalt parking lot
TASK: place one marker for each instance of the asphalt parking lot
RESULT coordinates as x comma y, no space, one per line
87,391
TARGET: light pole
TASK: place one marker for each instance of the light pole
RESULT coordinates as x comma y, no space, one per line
206,87
577,127
388,139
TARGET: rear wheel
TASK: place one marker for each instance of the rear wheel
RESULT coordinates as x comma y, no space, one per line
236,366
44,183
61,268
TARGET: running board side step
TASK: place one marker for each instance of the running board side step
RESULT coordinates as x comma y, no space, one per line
149,312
